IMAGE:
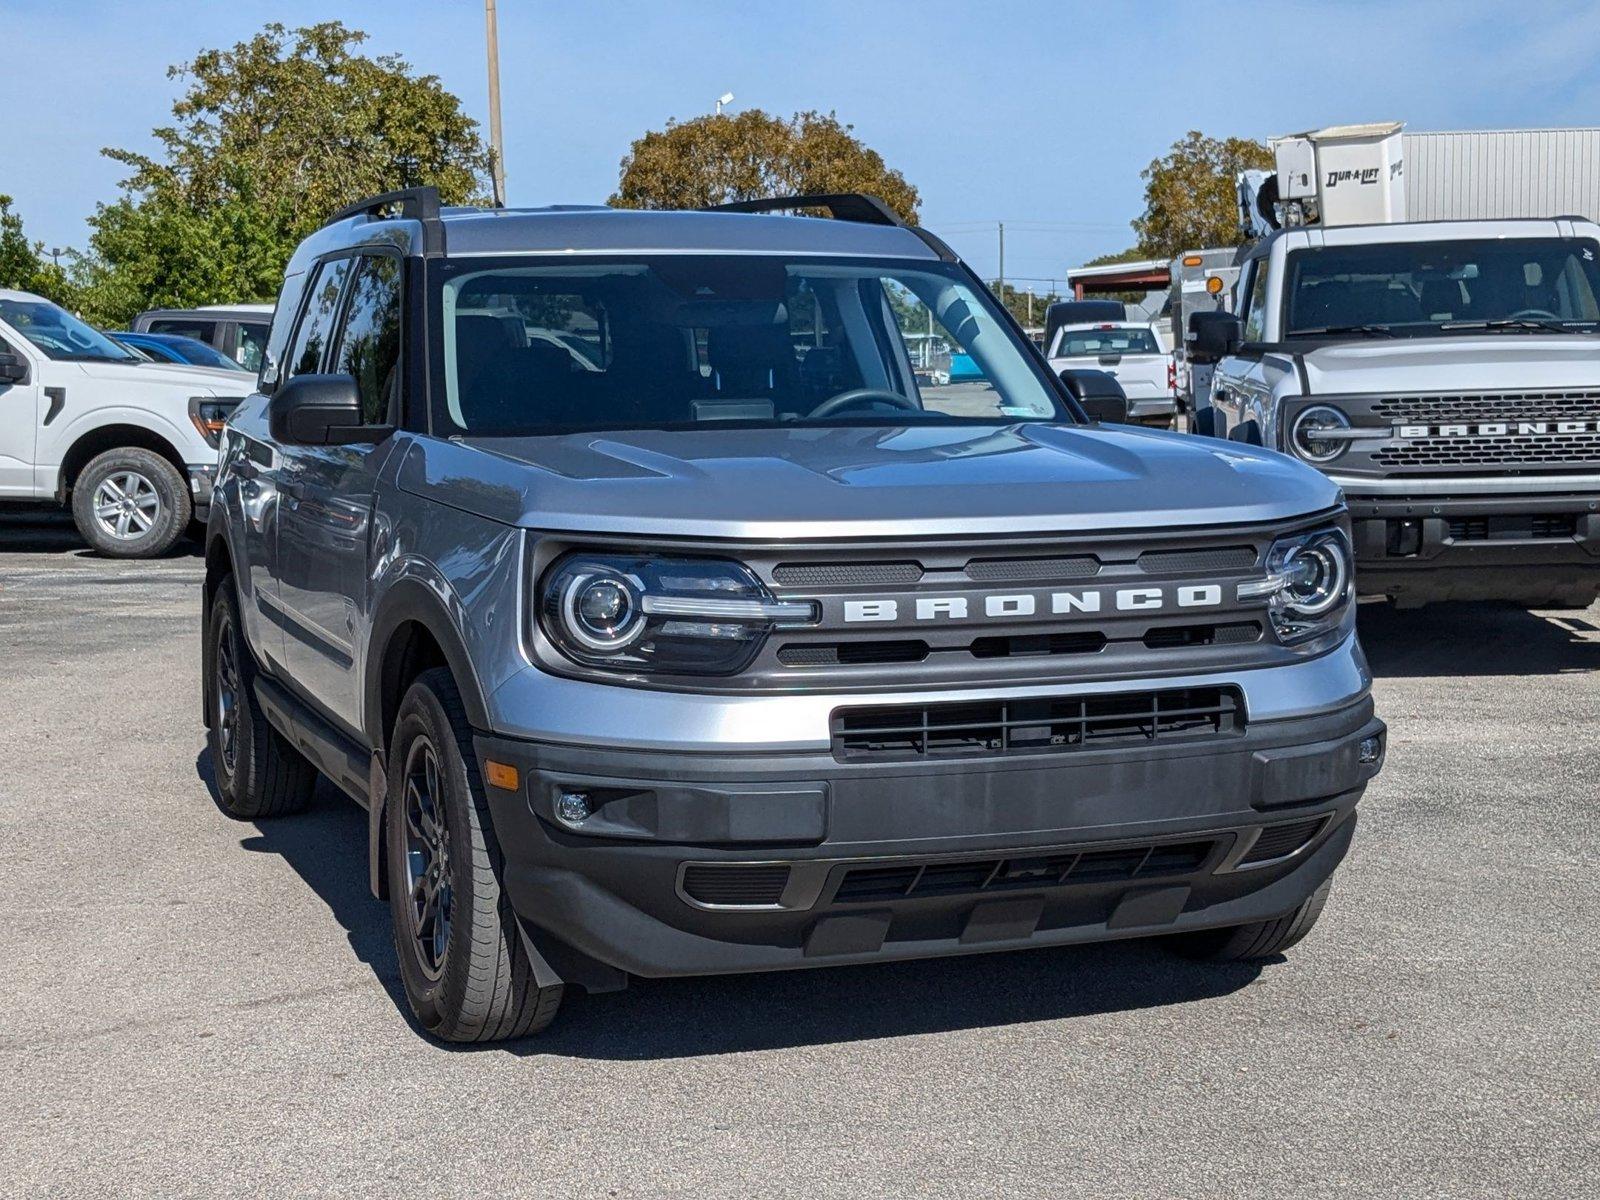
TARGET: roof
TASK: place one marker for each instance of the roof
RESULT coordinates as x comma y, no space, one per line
1413,231
1143,267
600,230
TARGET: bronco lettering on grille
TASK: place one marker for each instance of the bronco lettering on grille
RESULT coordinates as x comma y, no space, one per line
1021,605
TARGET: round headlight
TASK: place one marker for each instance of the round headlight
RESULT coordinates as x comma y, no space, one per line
1318,419
1314,578
601,611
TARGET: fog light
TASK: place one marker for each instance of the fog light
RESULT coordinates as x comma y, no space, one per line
1369,749
572,807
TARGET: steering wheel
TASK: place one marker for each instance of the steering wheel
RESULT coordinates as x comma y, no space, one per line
1536,312
857,397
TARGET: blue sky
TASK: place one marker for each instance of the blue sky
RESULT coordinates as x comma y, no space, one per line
1040,115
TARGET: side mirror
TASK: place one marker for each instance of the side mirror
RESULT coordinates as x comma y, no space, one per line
1100,395
320,410
1212,336
13,368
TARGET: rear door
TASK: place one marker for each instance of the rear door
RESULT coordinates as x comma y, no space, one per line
201,329
245,342
325,531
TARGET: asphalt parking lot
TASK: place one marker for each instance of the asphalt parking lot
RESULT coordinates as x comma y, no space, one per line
205,1007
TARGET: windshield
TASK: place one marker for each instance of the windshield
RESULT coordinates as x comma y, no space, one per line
198,354
60,335
530,347
1420,289
1105,339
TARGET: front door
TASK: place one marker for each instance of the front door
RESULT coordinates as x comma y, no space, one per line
19,421
327,496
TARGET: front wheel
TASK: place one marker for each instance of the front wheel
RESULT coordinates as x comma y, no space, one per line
466,972
1257,940
131,503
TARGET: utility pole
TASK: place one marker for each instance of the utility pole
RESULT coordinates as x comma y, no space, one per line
1002,225
1030,308
496,146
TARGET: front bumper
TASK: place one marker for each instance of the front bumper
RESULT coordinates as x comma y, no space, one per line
201,481
702,863
1529,548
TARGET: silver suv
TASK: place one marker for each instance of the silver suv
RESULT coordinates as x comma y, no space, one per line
619,564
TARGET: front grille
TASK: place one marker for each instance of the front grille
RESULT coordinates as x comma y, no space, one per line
866,574
1035,726
882,651
1489,406
1010,570
1180,562
1513,527
1056,868
1533,449
1279,841
742,885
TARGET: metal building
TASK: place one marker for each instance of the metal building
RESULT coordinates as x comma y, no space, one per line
1472,174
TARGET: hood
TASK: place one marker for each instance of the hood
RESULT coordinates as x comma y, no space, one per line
211,381
1490,363
831,482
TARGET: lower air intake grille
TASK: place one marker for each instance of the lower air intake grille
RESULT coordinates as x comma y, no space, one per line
1049,869
1279,841
1035,726
742,885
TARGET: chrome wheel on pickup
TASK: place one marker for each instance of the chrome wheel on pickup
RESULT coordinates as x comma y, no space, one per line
126,506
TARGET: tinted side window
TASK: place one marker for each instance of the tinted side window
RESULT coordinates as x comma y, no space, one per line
251,345
201,331
316,326
369,347
1255,319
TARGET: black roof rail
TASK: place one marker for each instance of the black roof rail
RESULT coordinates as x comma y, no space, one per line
841,206
415,203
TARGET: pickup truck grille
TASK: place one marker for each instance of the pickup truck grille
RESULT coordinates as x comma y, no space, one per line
1034,726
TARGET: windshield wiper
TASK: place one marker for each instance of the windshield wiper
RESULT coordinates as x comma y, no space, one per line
1363,330
1531,323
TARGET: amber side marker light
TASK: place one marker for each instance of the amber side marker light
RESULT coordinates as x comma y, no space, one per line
501,775
1192,260
1213,284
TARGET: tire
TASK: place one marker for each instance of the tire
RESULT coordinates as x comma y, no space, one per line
258,773
131,503
1257,940
465,969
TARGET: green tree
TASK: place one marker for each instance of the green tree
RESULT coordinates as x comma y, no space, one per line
23,265
268,138
1189,194
751,155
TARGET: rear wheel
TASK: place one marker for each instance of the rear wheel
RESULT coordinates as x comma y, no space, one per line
466,972
131,503
1257,940
258,773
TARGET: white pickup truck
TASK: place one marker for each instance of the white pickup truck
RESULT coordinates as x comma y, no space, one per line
1132,355
131,445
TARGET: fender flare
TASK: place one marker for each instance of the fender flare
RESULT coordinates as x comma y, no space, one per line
408,600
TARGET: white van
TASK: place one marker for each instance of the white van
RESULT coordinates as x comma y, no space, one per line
131,445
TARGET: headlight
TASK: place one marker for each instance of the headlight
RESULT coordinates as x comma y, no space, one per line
673,616
1307,435
1308,585
209,415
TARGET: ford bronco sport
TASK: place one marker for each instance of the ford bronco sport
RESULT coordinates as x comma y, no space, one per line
618,565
